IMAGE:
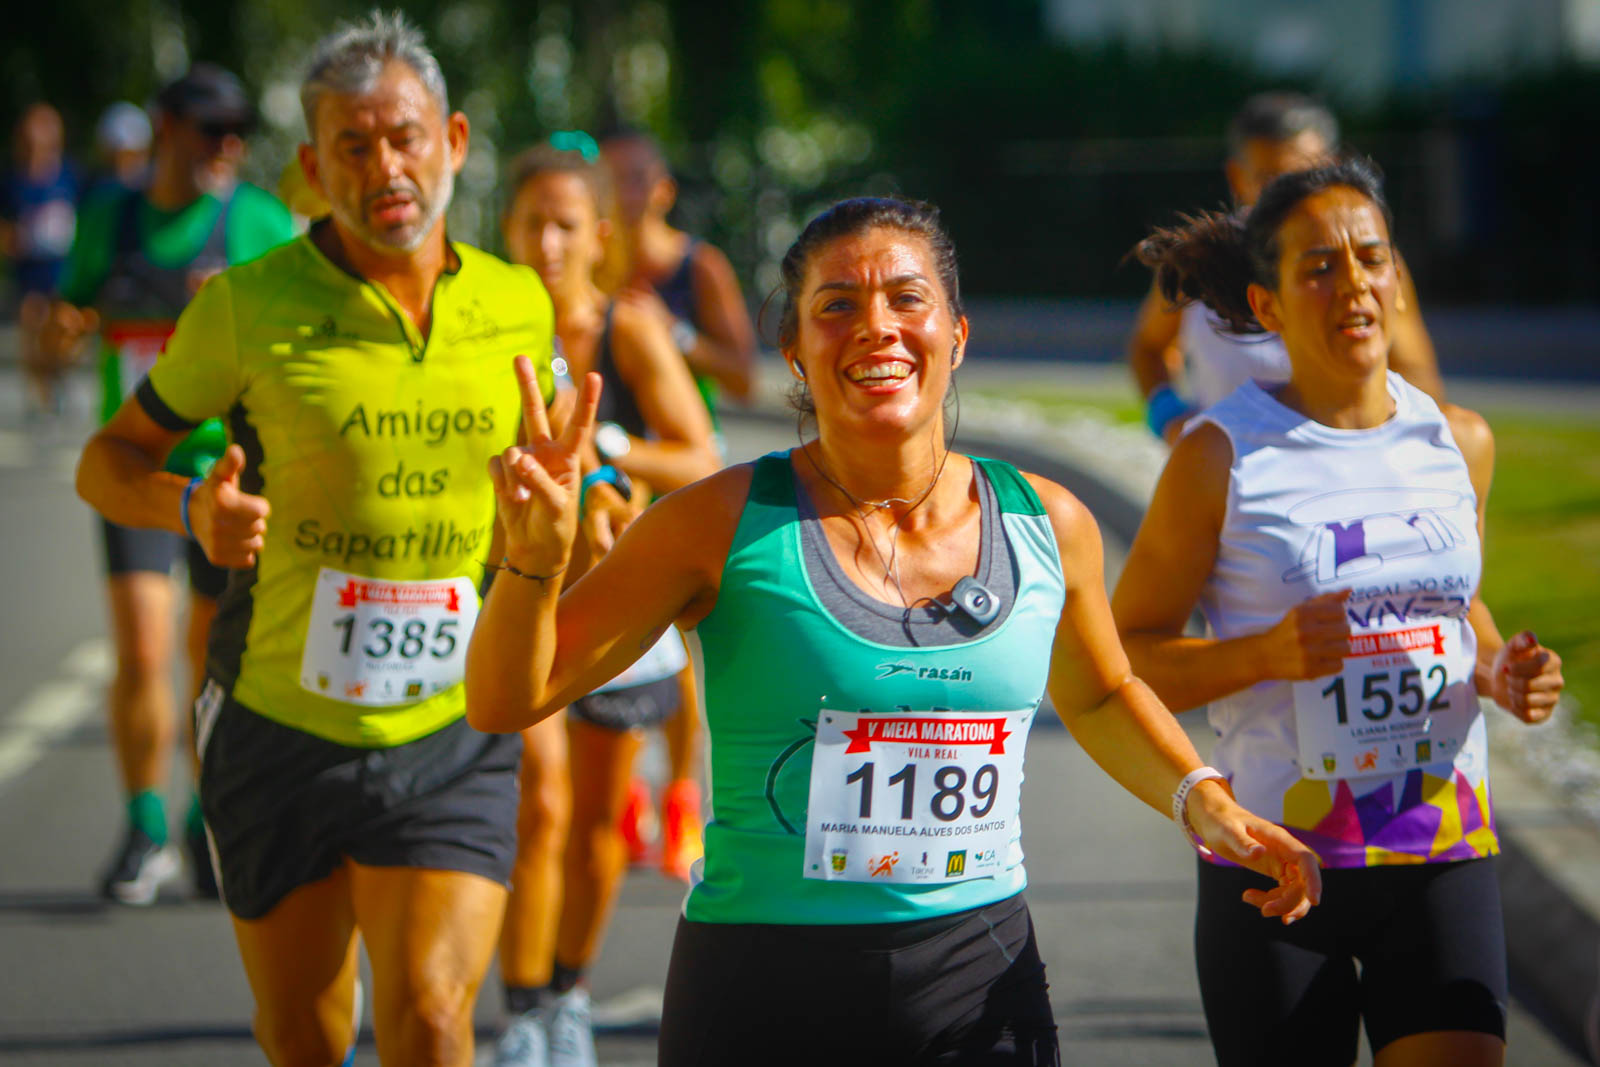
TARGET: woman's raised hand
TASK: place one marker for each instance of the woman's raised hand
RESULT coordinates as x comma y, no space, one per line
537,484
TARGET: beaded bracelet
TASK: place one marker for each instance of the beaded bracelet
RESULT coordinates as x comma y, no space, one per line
505,565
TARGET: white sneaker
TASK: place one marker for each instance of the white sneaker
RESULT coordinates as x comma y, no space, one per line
571,1032
525,1042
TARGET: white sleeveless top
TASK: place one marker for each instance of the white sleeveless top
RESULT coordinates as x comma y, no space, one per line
1216,361
1387,761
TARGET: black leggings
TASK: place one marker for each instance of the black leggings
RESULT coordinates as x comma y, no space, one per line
1429,938
962,989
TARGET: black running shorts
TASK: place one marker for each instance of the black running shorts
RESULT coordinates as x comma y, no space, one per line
635,706
967,988
132,551
285,808
1429,939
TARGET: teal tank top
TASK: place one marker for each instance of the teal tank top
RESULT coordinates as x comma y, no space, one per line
771,657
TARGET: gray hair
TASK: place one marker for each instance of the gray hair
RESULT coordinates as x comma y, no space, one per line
1281,116
352,57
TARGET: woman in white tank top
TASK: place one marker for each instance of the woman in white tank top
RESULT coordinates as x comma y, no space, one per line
1330,530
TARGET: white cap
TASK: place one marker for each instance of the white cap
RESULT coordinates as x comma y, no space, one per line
123,127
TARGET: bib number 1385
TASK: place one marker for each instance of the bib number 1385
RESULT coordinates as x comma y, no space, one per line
376,642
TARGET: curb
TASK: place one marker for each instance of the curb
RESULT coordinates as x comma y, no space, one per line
1552,939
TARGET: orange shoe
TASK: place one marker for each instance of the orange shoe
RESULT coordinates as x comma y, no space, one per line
638,825
681,841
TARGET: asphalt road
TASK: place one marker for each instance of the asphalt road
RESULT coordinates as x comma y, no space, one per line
86,984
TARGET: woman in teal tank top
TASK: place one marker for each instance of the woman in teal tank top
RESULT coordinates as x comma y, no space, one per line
875,619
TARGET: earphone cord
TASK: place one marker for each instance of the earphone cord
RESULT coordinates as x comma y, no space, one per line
861,511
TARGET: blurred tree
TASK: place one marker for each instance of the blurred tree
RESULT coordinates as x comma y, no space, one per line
1048,160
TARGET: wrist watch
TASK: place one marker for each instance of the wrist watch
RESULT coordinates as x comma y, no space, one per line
611,441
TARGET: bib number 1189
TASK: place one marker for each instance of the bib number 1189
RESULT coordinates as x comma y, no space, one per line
947,800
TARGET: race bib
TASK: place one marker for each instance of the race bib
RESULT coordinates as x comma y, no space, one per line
920,798
1404,699
138,345
377,642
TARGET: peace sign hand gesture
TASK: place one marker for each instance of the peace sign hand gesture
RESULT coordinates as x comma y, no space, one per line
537,484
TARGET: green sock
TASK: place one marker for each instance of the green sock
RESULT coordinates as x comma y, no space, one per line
148,813
194,823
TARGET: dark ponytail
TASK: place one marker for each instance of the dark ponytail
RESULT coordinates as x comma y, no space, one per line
1213,257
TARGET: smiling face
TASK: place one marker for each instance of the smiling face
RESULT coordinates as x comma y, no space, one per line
385,160
554,226
1336,286
874,333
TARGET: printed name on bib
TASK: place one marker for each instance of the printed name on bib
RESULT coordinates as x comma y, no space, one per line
919,797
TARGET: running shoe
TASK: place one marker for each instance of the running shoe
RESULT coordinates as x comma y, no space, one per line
638,825
681,841
197,849
139,869
525,1042
571,1032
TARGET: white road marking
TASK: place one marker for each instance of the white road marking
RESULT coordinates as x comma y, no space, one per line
52,710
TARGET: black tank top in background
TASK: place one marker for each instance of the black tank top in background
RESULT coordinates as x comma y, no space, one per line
617,403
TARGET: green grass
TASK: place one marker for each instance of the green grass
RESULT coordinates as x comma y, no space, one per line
1542,566
1117,405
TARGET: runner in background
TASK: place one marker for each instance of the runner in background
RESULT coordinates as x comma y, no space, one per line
122,137
555,921
38,215
1330,528
139,257
364,371
1186,359
842,598
689,285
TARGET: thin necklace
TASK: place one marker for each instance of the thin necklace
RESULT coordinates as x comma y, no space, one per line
863,508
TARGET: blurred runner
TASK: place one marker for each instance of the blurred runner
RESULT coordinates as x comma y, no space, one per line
1330,528
363,371
1186,359
38,215
877,619
660,440
122,139
139,257
688,284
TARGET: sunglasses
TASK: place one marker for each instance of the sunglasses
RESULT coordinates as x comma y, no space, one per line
216,131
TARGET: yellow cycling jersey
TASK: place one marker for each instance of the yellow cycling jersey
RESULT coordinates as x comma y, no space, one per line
371,443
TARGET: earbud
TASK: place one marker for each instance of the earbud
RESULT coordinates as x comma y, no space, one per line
798,371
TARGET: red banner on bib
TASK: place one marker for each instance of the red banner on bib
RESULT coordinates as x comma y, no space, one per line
411,595
1382,644
914,730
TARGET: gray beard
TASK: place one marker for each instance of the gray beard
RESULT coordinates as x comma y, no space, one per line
433,210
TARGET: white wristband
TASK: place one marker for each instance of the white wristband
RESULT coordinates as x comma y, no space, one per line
1180,803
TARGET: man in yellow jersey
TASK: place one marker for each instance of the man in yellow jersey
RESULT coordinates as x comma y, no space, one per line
364,375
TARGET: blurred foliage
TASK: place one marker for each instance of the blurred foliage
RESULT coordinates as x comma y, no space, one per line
1049,160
